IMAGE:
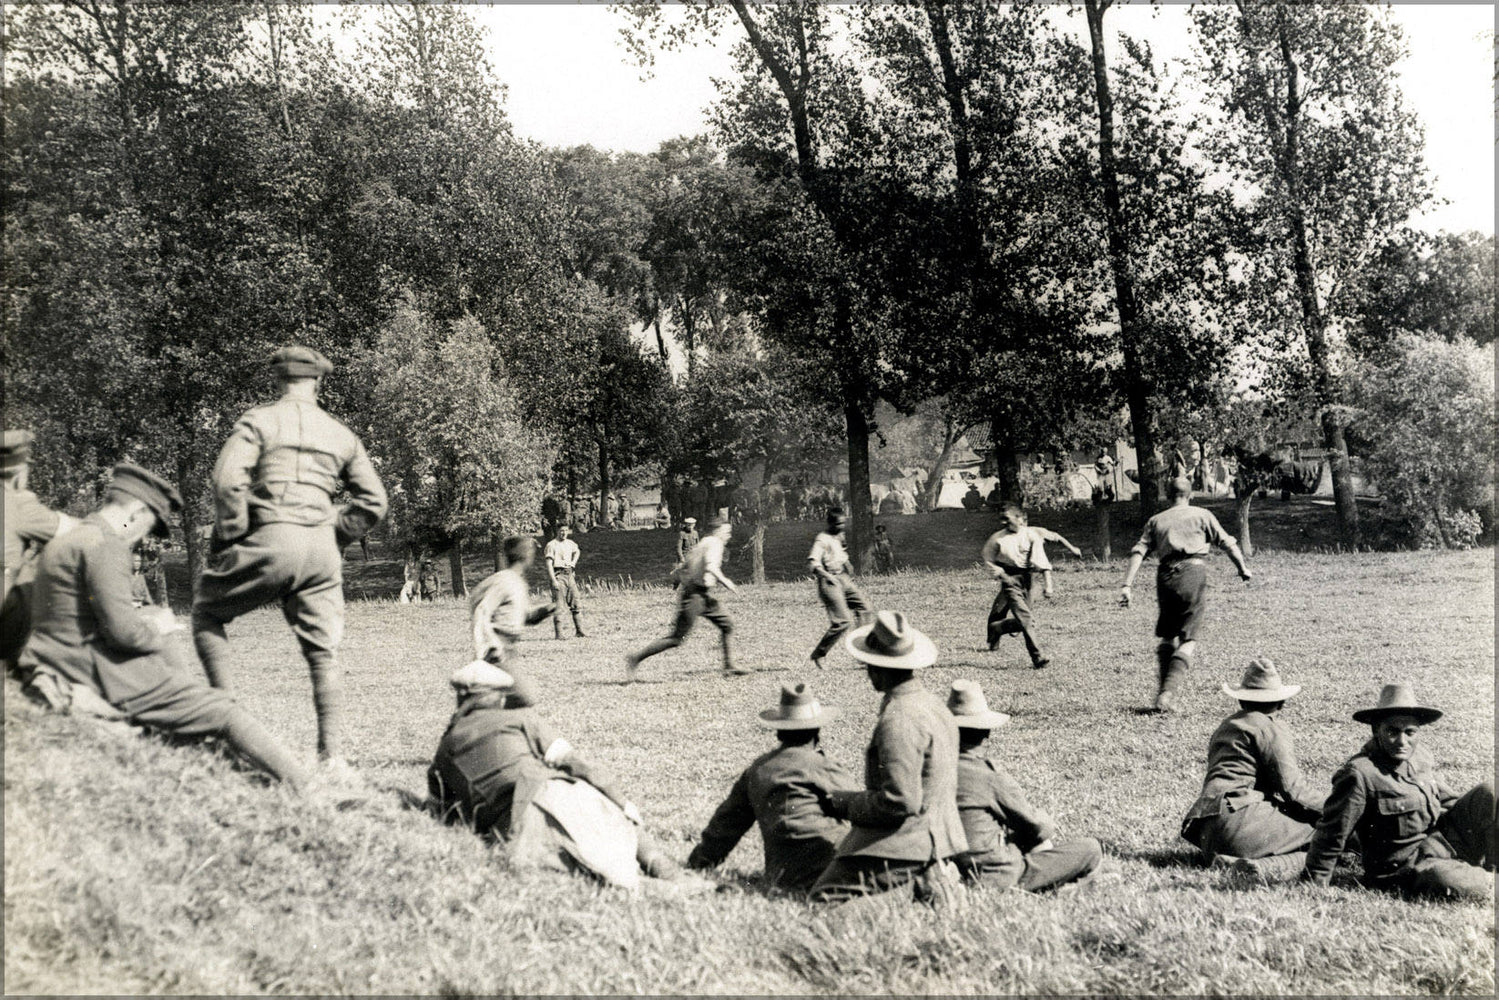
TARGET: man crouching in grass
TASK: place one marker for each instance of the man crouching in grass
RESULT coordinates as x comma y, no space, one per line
783,791
1010,842
1417,835
90,634
501,769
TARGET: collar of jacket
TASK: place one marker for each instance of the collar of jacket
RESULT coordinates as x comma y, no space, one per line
1388,764
905,687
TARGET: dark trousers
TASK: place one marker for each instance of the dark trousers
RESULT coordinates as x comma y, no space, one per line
694,601
843,600
565,594
851,877
1457,860
1259,830
1011,611
15,624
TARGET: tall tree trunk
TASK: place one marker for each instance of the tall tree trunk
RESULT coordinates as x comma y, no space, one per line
860,510
1241,518
194,517
1006,461
497,549
1104,536
455,568
604,483
1137,392
1313,321
932,492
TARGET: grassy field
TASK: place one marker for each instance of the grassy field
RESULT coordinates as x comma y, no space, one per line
134,866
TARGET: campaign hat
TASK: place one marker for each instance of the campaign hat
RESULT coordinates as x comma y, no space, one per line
152,490
1261,682
798,709
891,641
968,705
1397,699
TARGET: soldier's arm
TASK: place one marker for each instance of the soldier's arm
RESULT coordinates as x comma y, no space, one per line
367,503
733,817
1029,825
897,793
233,474
106,575
1340,816
1287,782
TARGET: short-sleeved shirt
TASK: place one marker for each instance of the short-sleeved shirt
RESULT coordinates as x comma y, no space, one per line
1180,533
498,608
828,552
1023,549
705,560
28,525
562,554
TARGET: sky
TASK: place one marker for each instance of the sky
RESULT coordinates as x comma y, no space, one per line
571,81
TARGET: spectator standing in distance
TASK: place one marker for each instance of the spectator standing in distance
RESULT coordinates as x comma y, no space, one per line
28,527
840,596
277,536
140,590
687,540
1180,537
972,500
561,558
428,580
884,551
694,599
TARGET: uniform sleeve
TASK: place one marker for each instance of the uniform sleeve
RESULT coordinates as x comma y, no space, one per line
26,518
1147,540
106,575
542,735
733,817
901,746
1286,782
1028,825
232,476
1215,533
1341,814
367,503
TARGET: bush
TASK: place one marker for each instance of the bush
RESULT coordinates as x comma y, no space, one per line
1427,407
1046,491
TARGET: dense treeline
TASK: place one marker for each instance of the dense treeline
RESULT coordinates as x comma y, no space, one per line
963,209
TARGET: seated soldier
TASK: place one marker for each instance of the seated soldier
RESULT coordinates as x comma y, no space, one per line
1010,842
783,791
1417,836
502,770
88,634
1255,804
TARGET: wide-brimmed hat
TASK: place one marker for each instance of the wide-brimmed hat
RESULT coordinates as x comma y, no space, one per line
152,490
798,710
891,642
297,361
481,674
968,705
1261,682
1397,699
16,449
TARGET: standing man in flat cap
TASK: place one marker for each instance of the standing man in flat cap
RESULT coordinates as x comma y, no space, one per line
277,536
89,634
28,526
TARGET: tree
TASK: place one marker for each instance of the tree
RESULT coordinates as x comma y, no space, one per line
459,461
1433,285
1316,127
741,412
1428,407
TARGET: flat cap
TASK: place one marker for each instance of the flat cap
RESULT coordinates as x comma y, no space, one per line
152,490
297,361
16,449
481,674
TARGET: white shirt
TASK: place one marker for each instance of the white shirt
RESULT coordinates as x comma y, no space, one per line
497,609
829,553
705,560
1021,549
561,553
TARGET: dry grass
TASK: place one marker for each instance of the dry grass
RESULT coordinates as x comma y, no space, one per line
134,866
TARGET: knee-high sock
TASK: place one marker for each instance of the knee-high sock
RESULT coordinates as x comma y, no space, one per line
213,649
328,698
245,733
1163,654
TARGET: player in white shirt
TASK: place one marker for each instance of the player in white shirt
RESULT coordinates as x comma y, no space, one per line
828,562
1013,554
704,568
561,558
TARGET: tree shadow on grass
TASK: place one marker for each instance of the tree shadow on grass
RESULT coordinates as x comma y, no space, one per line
1167,857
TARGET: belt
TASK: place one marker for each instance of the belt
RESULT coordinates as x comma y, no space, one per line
1184,561
562,569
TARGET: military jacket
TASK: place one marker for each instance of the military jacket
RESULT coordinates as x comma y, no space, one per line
998,820
908,809
1250,759
1392,806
